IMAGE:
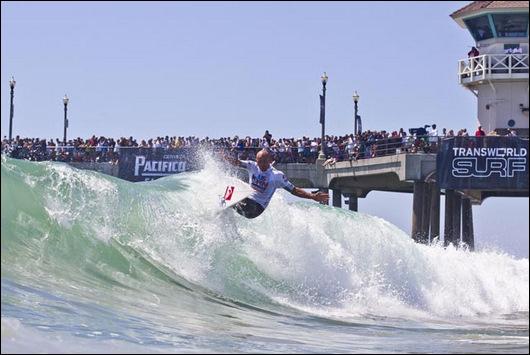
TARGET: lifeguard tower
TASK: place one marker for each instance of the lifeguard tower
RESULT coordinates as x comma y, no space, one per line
498,74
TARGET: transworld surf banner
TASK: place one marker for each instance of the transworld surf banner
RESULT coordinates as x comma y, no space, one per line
483,163
143,164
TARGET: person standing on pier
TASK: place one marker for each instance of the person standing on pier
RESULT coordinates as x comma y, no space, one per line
480,132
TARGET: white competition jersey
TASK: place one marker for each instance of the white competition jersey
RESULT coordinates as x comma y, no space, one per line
264,183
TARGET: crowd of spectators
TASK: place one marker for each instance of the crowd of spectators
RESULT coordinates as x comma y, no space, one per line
369,144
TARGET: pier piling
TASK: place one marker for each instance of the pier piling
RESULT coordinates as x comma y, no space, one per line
435,212
353,202
467,224
448,225
337,198
457,218
426,213
417,213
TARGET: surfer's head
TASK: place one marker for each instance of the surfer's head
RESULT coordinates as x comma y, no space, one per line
263,159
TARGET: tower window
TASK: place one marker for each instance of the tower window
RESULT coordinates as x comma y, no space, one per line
479,27
511,25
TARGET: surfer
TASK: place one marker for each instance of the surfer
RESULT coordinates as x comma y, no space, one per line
264,180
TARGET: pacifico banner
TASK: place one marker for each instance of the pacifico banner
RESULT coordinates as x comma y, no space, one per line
143,164
483,163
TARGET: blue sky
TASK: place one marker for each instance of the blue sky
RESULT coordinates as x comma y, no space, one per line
217,69
224,68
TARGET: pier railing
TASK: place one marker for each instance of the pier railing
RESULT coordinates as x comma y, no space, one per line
493,66
305,154
363,149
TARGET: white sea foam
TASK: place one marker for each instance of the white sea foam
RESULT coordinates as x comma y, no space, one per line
322,258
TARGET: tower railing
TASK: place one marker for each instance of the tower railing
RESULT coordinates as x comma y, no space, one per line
493,66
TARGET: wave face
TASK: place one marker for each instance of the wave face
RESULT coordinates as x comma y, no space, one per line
151,267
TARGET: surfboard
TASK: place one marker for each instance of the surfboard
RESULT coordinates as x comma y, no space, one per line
234,194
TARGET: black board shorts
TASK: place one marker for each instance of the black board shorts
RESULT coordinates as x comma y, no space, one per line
248,208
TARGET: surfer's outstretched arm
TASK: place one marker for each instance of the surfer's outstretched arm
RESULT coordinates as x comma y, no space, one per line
319,196
232,160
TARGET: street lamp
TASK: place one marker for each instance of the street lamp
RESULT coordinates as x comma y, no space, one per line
12,83
355,100
65,101
324,79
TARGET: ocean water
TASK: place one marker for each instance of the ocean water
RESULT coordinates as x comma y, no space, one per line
91,263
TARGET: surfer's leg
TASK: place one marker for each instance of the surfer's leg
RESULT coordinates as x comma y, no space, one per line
248,208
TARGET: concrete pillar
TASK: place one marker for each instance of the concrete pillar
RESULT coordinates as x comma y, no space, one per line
426,213
354,202
457,218
467,224
337,198
435,212
448,225
417,202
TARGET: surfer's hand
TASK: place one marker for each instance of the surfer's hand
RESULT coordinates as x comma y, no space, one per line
231,159
321,197
224,156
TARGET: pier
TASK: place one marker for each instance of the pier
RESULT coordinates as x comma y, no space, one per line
406,173
418,174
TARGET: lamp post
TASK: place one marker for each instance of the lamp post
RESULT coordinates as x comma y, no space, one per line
65,101
12,83
355,100
324,79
